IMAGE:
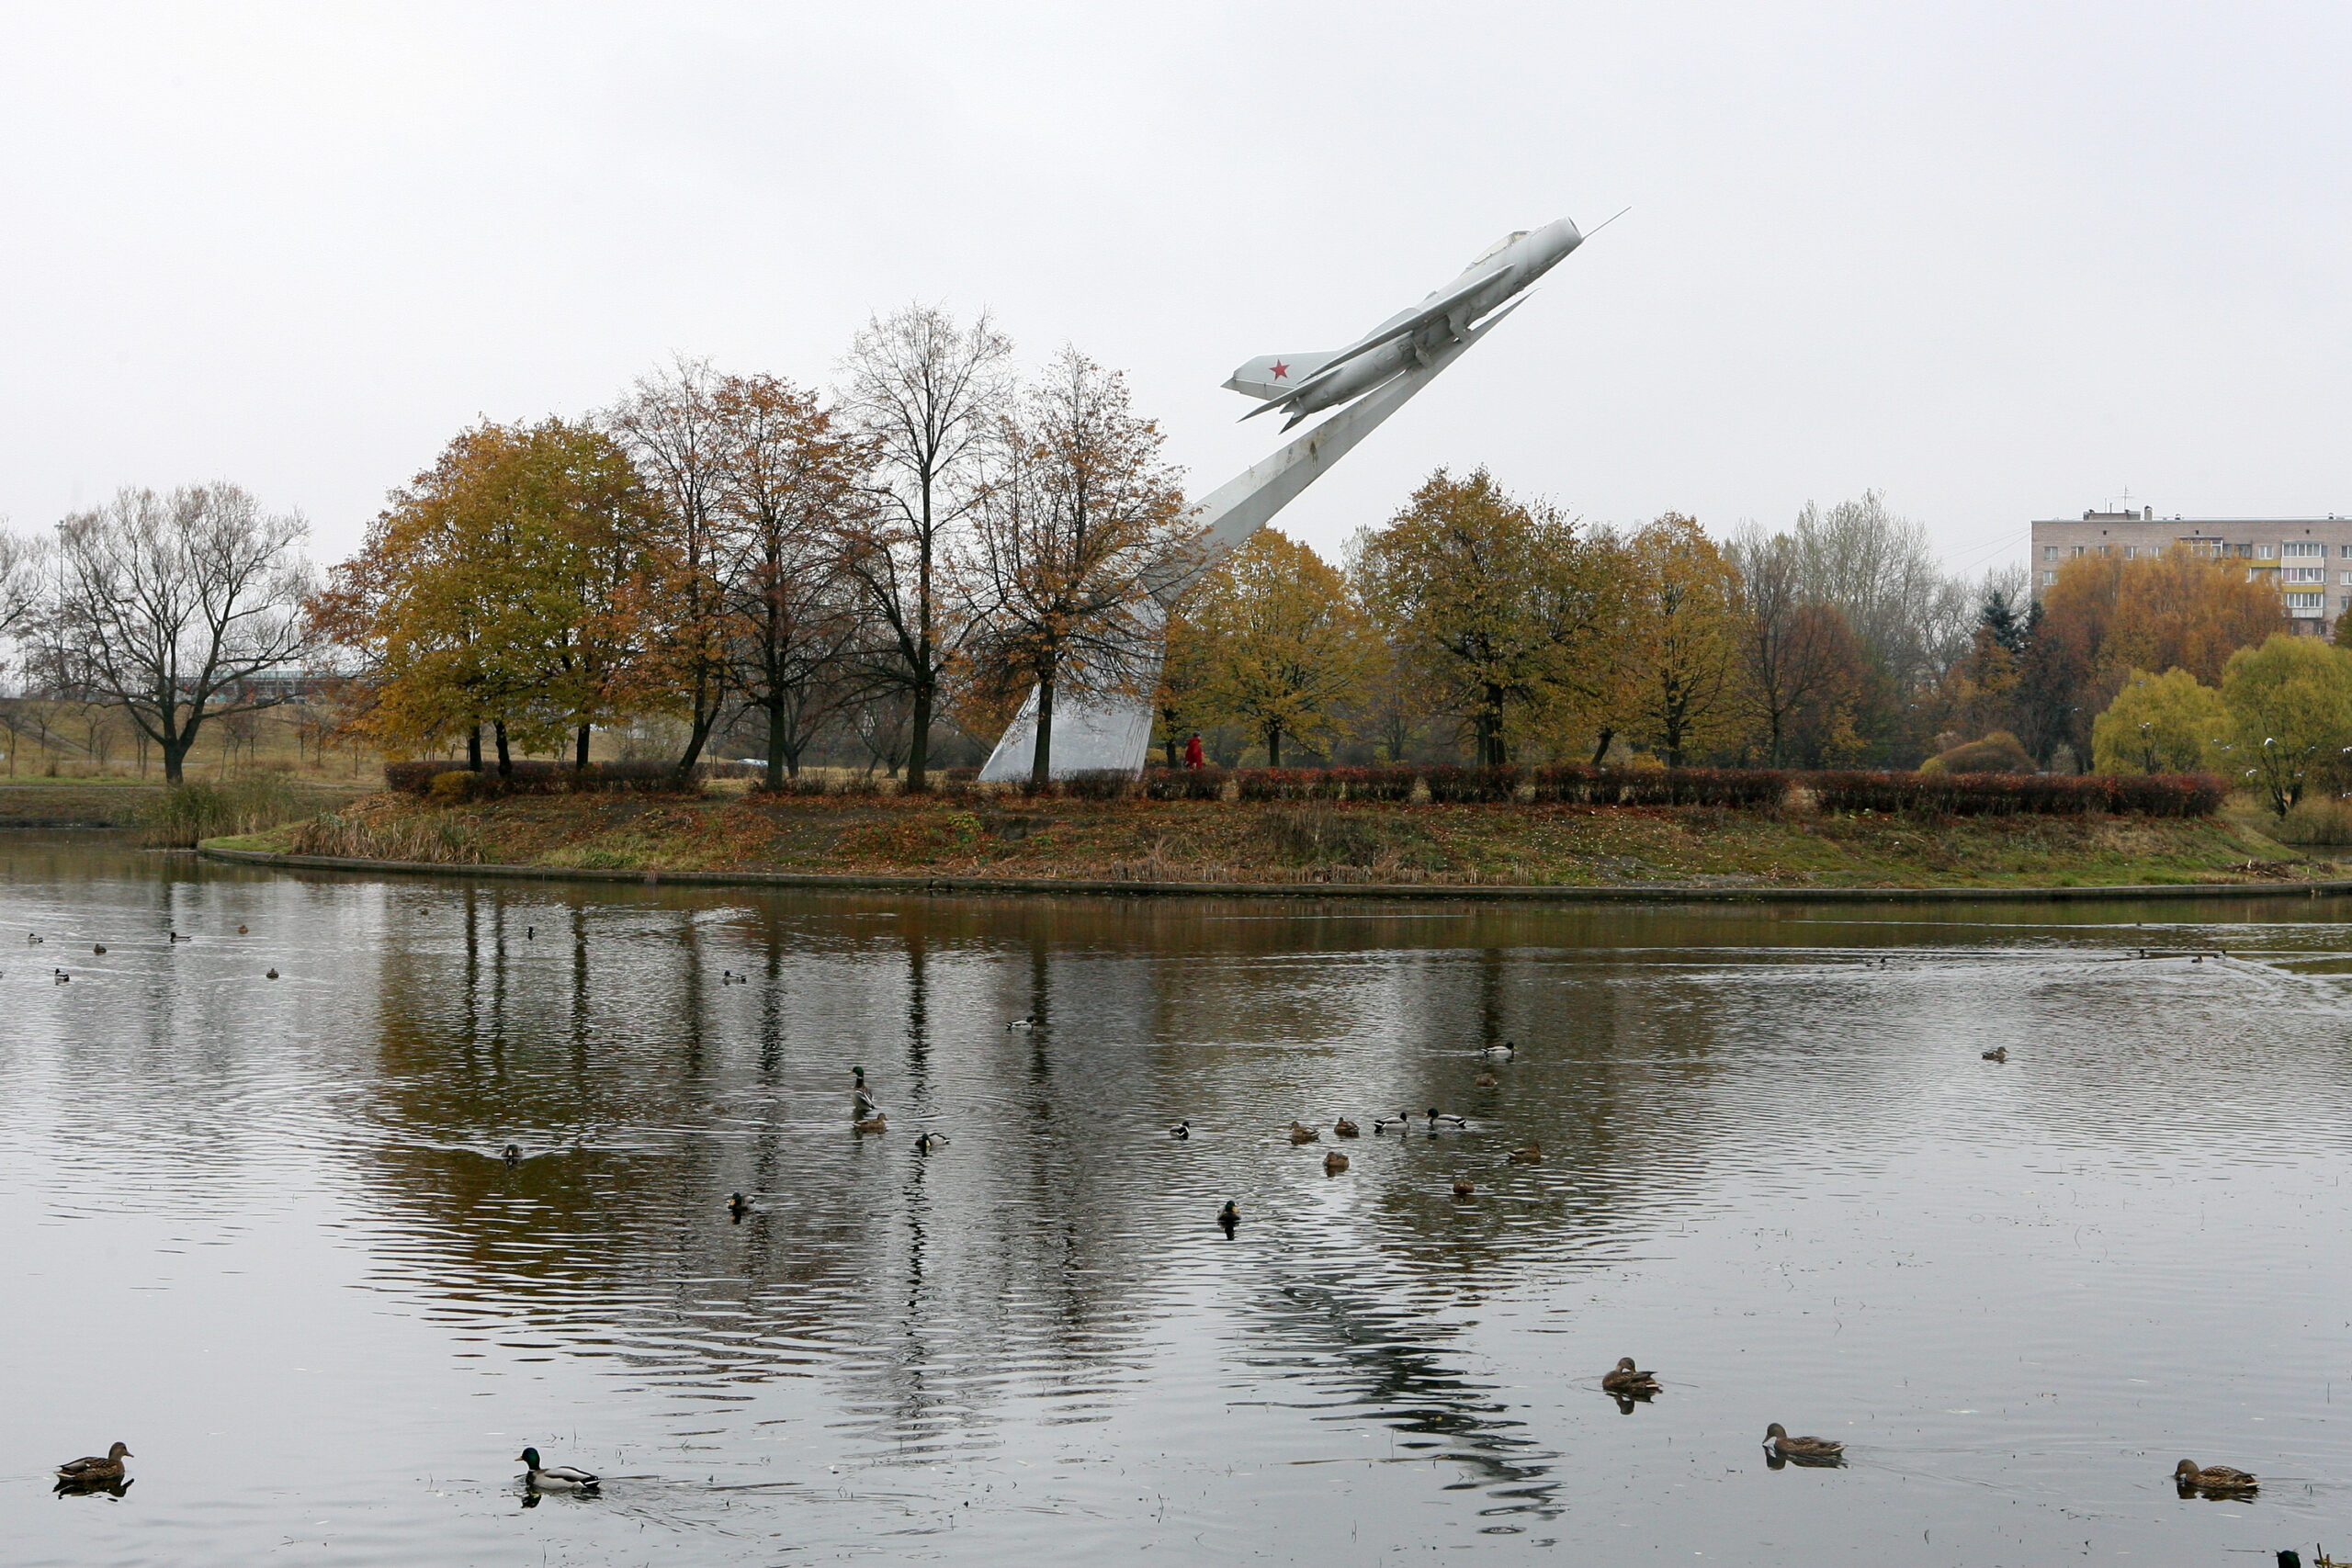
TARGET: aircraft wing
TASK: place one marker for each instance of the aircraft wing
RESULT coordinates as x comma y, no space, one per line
1420,318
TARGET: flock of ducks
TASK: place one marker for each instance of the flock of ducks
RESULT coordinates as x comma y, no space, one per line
58,976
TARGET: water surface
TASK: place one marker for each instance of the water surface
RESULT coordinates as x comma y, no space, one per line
260,1230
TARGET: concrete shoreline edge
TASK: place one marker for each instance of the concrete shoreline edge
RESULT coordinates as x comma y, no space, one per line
1631,893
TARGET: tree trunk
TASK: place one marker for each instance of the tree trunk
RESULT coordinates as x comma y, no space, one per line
1274,745
473,747
1601,749
1041,770
580,757
506,758
1171,734
918,743
779,762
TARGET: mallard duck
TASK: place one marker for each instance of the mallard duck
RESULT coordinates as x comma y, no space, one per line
99,948
1626,1379
241,931
859,1074
1818,1449
1531,1154
1344,1128
61,976
1485,1080
1449,1120
1022,1023
33,938
175,936
1381,1123
530,933
1229,1216
1334,1163
512,1154
866,1104
1997,1053
1299,1134
90,1468
2216,1478
271,976
1182,1129
555,1478
1463,1187
1502,1053
738,1206
925,1143
874,1123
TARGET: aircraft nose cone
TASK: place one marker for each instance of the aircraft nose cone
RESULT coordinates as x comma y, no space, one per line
1564,237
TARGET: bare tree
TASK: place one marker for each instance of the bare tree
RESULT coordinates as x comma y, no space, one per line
168,606
669,426
1789,646
791,487
1878,571
1079,510
924,394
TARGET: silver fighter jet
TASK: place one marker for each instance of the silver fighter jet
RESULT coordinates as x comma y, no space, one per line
1302,383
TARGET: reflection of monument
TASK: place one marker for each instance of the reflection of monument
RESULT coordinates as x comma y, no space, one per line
1375,375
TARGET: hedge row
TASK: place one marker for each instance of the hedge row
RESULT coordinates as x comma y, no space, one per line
527,777
2021,795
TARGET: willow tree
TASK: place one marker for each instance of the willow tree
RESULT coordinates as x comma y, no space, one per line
1287,646
1501,609
1078,512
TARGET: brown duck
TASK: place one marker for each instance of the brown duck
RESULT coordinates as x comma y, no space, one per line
1625,1379
1486,1080
1344,1128
1334,1163
1463,1187
1531,1154
2214,1478
1299,1134
1805,1450
874,1123
91,1469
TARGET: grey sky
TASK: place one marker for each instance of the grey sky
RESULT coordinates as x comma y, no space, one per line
1998,261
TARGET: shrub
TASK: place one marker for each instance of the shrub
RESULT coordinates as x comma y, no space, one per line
1185,783
541,778
1372,784
1455,784
2020,795
2000,752
1751,787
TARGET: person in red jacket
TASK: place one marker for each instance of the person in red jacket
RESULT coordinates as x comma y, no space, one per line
1192,750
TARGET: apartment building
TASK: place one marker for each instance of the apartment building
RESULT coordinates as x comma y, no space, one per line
2309,558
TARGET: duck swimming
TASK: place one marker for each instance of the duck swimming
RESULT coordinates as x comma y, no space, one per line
1334,1163
738,1206
874,1123
1381,1123
1182,1129
1344,1128
1997,1053
1626,1379
1531,1154
1464,1186
1228,1217
1022,1023
1502,1053
1449,1120
1805,1450
512,1154
925,1143
1299,1134
2214,1478
555,1478
91,1469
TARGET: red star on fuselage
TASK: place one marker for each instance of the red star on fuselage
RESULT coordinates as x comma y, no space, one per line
1282,371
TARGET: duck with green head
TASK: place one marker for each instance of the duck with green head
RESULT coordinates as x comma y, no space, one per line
555,1478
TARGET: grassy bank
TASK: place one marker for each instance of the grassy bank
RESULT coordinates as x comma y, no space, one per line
122,803
1370,843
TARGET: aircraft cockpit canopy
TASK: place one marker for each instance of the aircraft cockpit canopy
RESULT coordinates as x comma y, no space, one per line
1505,243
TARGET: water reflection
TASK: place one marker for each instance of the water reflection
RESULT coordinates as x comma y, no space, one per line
1772,1152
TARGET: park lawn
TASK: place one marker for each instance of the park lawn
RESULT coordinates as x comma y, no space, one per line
1352,842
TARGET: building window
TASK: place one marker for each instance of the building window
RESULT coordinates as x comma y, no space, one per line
2128,552
2347,579
2050,552
2049,577
2079,549
2266,552
2305,575
2312,601
2303,548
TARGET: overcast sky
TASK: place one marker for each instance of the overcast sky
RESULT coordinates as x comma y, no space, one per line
1998,262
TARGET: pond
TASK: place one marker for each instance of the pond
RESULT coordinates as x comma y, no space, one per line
262,1231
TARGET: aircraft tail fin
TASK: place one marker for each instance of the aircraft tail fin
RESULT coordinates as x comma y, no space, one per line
1272,374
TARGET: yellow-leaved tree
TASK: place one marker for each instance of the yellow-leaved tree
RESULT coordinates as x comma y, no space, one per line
1286,647
1687,689
2170,723
2290,715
